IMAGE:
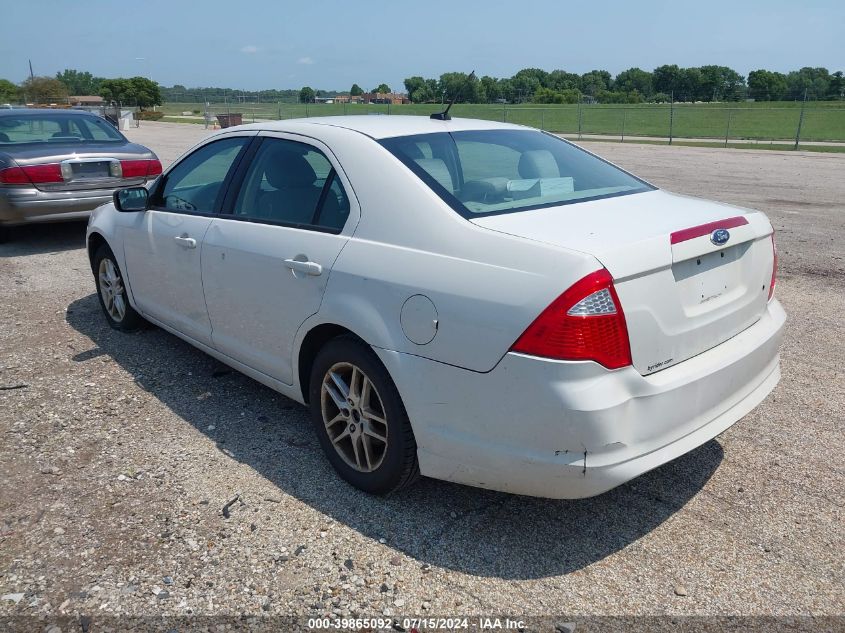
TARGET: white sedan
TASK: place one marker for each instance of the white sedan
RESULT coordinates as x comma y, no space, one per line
467,300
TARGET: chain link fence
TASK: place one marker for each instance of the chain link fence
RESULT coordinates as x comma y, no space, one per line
783,124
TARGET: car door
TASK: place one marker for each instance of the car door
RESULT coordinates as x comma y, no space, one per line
163,246
266,262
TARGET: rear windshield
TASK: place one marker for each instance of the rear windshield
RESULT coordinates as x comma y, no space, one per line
26,129
503,171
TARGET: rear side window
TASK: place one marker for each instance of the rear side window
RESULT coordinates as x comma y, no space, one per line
490,172
194,184
292,184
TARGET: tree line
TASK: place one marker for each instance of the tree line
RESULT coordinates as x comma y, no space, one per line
529,85
132,91
634,85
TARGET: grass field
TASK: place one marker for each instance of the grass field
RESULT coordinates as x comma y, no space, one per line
823,121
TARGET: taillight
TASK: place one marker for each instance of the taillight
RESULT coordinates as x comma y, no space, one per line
154,168
140,168
584,323
774,267
44,173
31,174
13,176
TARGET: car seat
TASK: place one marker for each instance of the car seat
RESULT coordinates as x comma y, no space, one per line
538,163
296,193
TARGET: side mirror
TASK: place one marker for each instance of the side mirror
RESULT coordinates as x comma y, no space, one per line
132,199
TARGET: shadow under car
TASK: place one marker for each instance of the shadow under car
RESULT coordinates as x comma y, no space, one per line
471,530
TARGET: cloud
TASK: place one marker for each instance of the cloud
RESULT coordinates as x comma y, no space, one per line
250,49
304,60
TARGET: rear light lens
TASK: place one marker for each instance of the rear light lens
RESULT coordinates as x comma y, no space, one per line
774,267
584,323
32,174
140,168
14,176
44,173
154,168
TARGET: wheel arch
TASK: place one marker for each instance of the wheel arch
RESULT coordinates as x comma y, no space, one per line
312,343
95,241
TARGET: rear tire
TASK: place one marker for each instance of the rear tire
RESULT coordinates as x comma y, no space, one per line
111,291
359,418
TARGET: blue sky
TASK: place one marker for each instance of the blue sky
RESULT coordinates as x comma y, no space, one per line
326,44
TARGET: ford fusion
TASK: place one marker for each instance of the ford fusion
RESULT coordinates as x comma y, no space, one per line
472,301
59,164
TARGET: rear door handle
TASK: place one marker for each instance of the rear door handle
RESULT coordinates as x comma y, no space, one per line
187,242
305,267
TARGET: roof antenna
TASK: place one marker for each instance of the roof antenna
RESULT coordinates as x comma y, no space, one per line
444,116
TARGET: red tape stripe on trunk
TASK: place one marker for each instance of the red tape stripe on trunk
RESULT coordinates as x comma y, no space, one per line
705,229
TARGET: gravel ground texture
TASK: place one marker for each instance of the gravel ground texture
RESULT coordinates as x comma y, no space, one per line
119,453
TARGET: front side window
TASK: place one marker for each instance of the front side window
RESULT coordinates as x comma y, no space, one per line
194,184
56,128
504,171
294,184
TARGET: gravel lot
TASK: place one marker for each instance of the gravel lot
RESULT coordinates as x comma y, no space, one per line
119,452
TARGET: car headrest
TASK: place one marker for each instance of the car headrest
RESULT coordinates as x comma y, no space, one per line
413,151
285,169
538,163
436,168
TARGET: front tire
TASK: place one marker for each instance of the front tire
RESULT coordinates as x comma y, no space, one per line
111,291
360,419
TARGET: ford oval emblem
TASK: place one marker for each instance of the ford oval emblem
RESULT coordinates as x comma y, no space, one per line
720,236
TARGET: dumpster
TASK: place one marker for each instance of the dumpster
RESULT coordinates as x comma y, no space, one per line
228,120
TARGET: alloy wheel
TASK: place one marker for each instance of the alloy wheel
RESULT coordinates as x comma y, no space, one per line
354,417
112,290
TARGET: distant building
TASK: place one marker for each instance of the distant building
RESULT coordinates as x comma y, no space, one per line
85,100
393,98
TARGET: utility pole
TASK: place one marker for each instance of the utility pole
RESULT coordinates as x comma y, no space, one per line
579,118
728,129
800,120
31,74
671,115
624,114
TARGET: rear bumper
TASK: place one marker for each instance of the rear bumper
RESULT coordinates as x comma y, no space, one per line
29,205
575,429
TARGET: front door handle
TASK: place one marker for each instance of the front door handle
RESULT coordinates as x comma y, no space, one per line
305,267
187,242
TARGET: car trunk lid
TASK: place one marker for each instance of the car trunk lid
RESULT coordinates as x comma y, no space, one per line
683,289
81,166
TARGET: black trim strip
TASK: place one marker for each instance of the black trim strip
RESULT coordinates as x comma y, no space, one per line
323,195
233,186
